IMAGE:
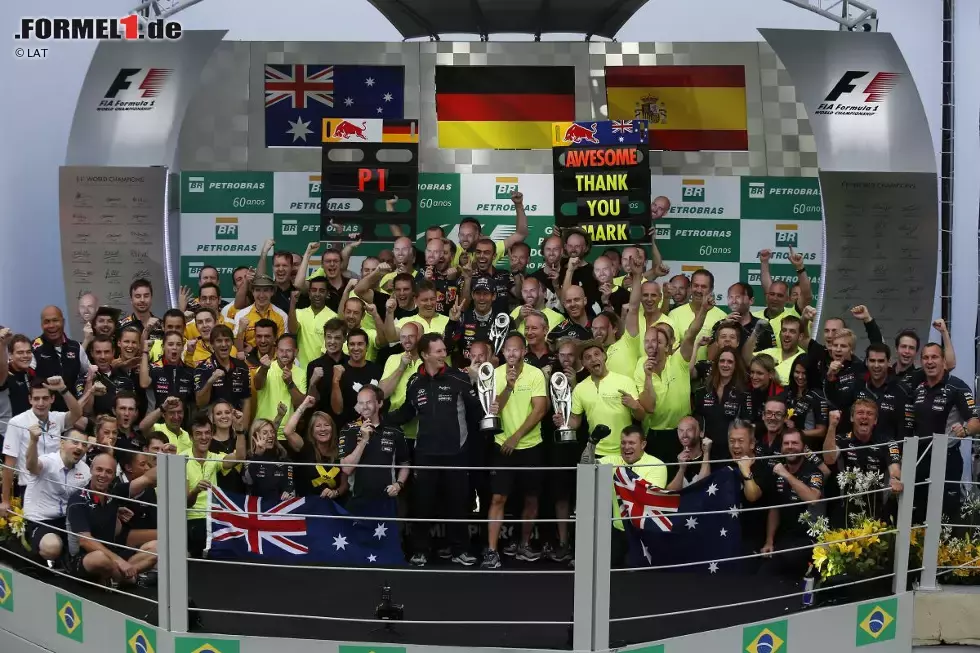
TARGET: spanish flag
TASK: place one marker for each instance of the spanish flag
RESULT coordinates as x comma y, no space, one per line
690,108
502,107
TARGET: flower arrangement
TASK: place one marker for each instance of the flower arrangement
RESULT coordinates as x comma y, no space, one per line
959,555
12,526
862,548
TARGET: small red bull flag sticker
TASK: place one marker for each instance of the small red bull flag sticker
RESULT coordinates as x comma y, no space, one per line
372,130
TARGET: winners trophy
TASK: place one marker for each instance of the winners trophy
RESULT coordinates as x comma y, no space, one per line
498,332
561,400
485,390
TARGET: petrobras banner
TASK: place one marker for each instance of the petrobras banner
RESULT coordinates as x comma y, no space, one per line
112,223
721,223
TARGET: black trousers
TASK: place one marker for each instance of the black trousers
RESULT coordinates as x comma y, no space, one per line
952,498
445,488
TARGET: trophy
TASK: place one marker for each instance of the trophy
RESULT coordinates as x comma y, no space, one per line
486,391
561,400
498,332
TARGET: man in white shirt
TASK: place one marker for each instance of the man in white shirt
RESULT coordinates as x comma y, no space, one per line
51,424
51,480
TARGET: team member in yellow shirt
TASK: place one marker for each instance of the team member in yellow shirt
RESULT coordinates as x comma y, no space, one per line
199,348
280,381
603,398
307,323
263,287
790,332
210,297
522,403
398,370
664,378
172,412
534,300
621,350
632,454
681,317
427,318
470,232
778,293
203,466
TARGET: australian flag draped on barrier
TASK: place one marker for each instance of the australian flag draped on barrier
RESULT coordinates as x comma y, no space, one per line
300,530
662,531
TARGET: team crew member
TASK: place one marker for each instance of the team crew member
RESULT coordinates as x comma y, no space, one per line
754,476
664,380
694,460
141,299
51,480
51,425
862,449
267,473
889,393
943,404
470,232
307,323
740,298
223,377
370,441
622,351
797,482
809,408
352,375
533,295
521,402
262,308
778,292
168,377
18,378
722,400
280,382
319,372
203,466
399,369
101,542
603,398
818,356
54,354
427,317
266,334
702,294
325,478
577,324
210,298
632,455
110,378
446,405
789,348
475,323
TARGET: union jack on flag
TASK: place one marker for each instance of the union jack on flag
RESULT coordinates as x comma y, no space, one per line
622,126
298,83
257,525
641,502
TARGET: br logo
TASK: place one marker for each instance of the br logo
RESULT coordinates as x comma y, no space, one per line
787,235
226,228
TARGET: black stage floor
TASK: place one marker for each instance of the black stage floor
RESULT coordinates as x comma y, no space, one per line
486,596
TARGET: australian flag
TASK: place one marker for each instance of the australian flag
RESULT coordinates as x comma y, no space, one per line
298,96
300,530
662,531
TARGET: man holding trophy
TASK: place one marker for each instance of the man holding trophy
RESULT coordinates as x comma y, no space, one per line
481,322
519,401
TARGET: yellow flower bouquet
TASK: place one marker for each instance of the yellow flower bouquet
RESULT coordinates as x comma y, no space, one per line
12,526
858,551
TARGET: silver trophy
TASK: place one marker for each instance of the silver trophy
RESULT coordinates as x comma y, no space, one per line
486,391
498,332
561,400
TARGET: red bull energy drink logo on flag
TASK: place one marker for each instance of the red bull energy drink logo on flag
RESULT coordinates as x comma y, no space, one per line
369,130
599,132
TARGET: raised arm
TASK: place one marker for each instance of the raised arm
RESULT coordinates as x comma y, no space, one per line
521,232
304,266
261,266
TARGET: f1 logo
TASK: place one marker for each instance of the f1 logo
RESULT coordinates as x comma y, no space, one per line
121,82
877,88
150,87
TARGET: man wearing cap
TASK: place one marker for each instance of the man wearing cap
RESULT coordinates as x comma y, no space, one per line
475,323
263,287
501,280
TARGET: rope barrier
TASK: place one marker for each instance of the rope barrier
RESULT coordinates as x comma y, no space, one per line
397,570
465,520
91,491
89,537
377,621
755,555
80,580
751,602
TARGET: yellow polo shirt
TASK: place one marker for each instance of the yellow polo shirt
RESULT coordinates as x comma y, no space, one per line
621,355
203,470
498,253
273,313
529,384
602,404
777,322
663,318
397,397
181,440
202,352
275,392
784,368
309,327
438,323
554,318
650,468
372,349
683,316
673,390
191,331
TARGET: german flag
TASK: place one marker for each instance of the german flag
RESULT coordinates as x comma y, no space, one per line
690,108
502,107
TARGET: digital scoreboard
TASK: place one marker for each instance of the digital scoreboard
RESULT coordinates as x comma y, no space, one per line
366,163
602,179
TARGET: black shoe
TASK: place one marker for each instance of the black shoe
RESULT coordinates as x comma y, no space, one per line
491,560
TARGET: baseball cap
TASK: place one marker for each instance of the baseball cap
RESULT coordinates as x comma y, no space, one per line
263,281
482,282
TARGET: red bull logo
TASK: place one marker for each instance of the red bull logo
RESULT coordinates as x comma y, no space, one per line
346,130
577,134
